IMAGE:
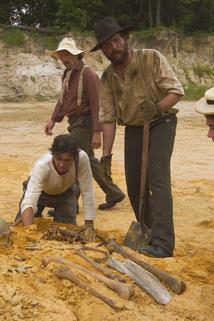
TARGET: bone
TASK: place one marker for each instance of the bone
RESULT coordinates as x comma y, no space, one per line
97,266
125,291
176,285
67,274
144,279
61,234
94,249
90,248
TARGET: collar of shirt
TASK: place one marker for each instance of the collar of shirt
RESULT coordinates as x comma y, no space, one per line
77,67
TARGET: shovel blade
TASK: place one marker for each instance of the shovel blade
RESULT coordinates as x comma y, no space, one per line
137,236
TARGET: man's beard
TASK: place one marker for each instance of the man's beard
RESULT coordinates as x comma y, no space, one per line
118,57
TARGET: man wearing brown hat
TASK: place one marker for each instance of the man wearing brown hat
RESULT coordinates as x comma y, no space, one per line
138,91
79,101
205,106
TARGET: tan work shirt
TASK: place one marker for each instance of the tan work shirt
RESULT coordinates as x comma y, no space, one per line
122,99
67,106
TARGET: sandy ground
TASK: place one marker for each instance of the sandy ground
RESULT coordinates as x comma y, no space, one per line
36,294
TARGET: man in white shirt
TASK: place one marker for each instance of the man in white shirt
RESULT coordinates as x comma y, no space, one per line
49,185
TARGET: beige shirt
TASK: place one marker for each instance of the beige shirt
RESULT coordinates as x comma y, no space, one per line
124,99
44,177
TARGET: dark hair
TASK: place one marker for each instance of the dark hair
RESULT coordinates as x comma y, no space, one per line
64,144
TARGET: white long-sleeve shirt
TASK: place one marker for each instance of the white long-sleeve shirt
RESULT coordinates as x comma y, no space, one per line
44,177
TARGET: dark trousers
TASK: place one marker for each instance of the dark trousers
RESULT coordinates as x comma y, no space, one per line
81,128
158,214
64,205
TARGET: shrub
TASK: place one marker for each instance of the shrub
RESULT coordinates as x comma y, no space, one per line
203,70
194,91
14,37
49,42
33,79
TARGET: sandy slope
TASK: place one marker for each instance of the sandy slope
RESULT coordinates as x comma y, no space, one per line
37,294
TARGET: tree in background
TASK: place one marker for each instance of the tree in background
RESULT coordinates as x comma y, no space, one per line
32,13
186,15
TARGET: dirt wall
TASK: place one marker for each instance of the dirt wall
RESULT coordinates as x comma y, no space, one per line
29,71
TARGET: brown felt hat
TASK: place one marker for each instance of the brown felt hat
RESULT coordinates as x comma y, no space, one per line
107,28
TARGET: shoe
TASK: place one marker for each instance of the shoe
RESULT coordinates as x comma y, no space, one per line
154,251
110,204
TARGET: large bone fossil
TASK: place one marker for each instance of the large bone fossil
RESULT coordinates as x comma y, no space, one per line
97,266
146,280
125,291
176,285
67,274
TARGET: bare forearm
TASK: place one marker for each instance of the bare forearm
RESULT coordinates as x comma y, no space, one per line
168,101
109,130
27,216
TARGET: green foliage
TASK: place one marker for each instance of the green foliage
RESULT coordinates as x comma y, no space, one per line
203,70
186,15
41,98
14,37
46,41
33,79
147,33
193,91
49,42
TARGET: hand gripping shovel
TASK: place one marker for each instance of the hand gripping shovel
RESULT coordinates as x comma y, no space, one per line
138,234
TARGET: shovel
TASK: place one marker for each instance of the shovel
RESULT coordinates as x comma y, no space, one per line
138,234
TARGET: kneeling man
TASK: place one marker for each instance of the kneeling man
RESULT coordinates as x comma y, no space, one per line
50,185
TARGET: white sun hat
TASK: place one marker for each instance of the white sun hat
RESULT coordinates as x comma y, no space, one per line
67,44
205,105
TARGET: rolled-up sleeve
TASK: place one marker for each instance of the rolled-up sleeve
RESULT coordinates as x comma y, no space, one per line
165,77
58,113
86,187
107,112
34,189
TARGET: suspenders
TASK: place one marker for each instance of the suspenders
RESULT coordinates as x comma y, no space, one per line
80,89
76,160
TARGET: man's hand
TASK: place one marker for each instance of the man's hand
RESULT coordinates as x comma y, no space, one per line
89,234
27,216
150,110
49,126
96,140
29,229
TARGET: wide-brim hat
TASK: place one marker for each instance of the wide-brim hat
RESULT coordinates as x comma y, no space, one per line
107,28
205,105
67,44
